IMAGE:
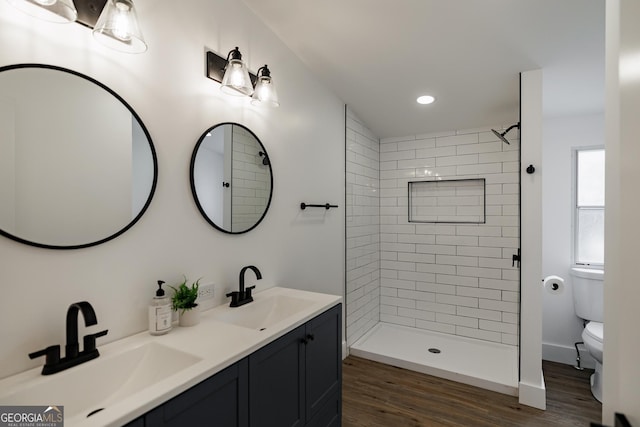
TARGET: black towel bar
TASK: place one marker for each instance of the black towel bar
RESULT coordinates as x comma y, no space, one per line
327,206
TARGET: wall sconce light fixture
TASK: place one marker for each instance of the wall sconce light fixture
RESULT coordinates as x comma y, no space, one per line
265,92
235,79
58,11
118,27
114,22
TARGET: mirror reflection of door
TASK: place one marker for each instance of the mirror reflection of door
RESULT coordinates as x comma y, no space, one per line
213,175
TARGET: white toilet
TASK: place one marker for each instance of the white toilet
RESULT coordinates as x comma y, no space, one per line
588,296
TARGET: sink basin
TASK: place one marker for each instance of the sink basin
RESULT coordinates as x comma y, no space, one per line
94,385
262,313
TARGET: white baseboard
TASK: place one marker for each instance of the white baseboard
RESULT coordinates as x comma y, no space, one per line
567,355
534,395
345,350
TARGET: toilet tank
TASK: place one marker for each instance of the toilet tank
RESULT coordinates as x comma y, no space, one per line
588,293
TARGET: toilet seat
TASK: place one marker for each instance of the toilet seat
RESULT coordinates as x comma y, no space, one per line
595,331
592,337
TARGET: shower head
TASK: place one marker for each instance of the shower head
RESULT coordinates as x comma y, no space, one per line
265,161
501,135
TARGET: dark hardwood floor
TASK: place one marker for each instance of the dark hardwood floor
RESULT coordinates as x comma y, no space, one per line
375,394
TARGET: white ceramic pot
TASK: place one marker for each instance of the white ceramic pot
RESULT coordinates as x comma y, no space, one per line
189,317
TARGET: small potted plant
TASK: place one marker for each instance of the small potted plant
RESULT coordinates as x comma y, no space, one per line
184,302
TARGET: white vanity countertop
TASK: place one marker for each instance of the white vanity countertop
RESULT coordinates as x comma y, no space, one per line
216,343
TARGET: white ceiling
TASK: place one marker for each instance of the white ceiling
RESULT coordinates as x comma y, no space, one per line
378,56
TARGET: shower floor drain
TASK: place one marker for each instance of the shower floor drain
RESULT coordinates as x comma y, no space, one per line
434,350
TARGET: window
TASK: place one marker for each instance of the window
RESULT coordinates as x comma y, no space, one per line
589,212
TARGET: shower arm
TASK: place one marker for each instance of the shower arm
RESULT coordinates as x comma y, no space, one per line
517,125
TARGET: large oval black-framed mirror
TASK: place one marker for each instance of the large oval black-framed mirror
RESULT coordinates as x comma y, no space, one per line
77,164
231,178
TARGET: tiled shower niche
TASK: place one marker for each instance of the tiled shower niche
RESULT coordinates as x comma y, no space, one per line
448,201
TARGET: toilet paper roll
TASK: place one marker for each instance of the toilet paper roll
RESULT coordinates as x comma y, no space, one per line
553,284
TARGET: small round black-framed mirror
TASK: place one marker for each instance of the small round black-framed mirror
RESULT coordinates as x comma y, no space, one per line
231,178
79,165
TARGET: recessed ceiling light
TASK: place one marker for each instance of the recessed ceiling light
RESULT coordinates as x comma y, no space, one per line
425,99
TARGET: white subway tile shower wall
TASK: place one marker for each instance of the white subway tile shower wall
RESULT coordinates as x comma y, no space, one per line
362,229
250,181
452,278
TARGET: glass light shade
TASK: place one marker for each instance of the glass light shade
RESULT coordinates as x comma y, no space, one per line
58,11
236,80
265,93
118,28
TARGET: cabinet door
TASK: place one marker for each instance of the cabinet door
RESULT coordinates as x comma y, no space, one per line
330,415
323,360
221,401
276,382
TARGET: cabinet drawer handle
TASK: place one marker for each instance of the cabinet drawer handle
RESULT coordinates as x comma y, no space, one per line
306,339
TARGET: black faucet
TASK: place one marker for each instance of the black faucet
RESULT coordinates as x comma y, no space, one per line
243,295
73,356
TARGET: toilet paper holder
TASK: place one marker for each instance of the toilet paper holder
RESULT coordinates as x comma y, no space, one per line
553,284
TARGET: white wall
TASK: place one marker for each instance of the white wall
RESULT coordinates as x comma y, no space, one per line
447,277
621,369
561,328
167,87
363,228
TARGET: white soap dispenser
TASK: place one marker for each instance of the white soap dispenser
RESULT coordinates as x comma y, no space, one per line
160,312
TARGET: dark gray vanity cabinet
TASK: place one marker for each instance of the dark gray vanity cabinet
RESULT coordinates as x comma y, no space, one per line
293,381
276,382
138,422
323,373
296,380
221,400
